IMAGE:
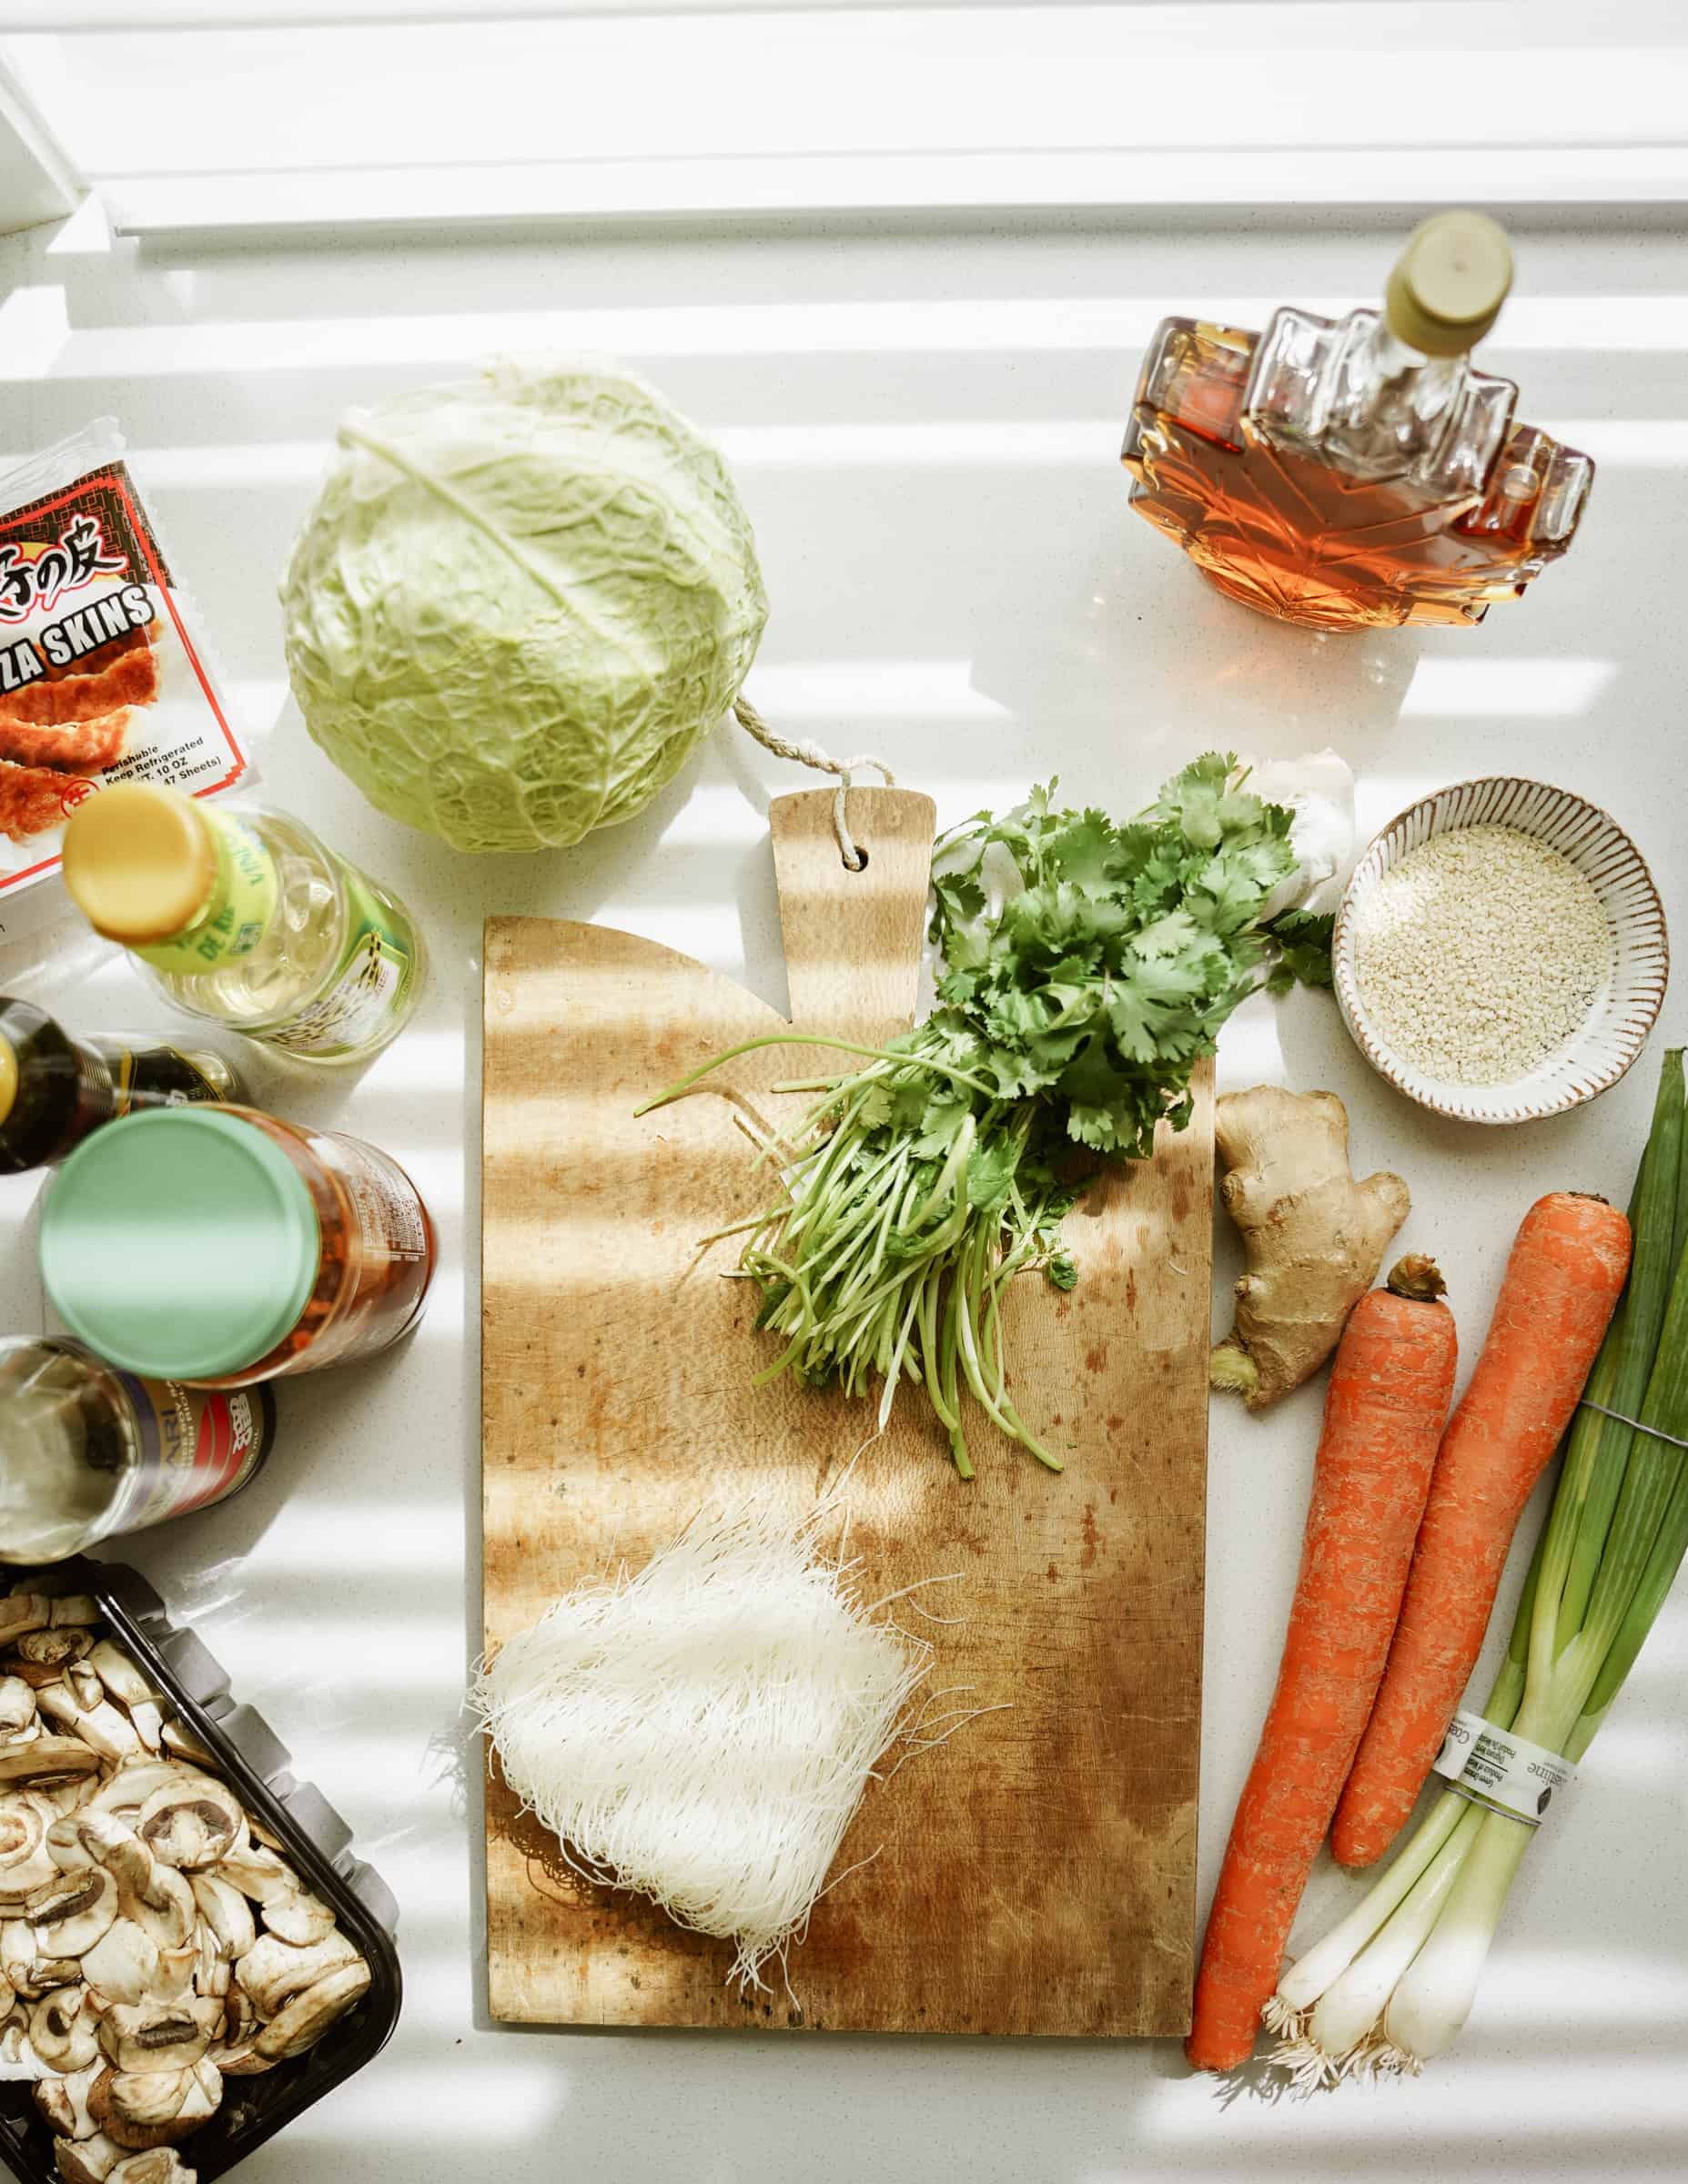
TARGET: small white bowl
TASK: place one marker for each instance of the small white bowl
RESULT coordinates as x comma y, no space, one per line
1622,1012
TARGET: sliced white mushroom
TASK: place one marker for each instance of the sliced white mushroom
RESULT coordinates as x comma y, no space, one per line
68,1852
123,1966
259,1874
148,2035
225,1913
301,1918
47,1759
46,1973
124,1683
101,1726
165,1908
154,1895
74,1608
144,2110
213,1974
26,1860
193,1825
64,2101
28,1973
73,1911
84,1683
242,2062
180,1741
273,1971
17,1710
86,2160
17,1953
18,2060
308,2016
162,2164
63,2031
69,1795
147,2097
239,2022
129,1788
21,1613
53,2103
54,1650
177,1967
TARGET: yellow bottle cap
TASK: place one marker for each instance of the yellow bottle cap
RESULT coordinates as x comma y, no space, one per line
139,861
1448,284
8,1077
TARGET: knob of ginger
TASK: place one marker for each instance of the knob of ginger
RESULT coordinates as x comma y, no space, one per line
1313,1238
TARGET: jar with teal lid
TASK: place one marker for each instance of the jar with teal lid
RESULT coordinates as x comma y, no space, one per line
221,1247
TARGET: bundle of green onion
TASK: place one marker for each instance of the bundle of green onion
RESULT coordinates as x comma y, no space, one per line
1391,1985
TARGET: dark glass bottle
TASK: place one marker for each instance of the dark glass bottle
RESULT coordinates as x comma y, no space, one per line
54,1090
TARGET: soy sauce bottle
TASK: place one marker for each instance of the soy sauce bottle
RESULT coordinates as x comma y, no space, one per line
54,1090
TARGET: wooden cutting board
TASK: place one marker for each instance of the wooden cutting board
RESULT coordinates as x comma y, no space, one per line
1036,1875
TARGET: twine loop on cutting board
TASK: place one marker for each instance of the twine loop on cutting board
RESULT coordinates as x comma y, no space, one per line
806,752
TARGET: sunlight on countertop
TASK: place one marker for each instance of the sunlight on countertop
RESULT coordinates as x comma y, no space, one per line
926,433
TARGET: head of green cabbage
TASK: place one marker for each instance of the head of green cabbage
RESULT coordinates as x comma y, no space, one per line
518,605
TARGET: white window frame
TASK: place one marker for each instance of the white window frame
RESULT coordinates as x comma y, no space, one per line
1538,109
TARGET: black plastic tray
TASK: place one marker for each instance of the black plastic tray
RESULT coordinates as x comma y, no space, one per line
259,1767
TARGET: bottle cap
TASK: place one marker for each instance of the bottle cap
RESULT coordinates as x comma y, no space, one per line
8,1077
1448,284
139,861
181,1243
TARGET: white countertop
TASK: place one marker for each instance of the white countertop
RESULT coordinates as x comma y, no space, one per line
924,431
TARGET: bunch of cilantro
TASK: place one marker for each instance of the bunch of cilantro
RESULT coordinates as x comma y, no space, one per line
1086,969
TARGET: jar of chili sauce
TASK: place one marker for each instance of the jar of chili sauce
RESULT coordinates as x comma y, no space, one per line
222,1245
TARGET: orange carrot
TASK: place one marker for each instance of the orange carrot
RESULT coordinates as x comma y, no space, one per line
1560,1287
1388,1401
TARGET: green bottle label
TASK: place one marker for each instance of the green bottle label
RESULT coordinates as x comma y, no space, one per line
371,984
238,913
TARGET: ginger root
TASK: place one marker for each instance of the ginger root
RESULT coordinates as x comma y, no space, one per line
1313,1238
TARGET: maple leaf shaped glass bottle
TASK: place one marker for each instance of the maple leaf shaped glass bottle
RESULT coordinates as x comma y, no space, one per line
1356,472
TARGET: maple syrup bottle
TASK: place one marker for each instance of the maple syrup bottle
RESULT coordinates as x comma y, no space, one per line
1357,473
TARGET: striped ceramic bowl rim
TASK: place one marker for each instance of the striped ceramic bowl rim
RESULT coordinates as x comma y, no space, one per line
1624,1013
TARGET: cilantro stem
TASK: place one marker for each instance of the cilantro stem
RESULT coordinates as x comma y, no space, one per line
809,1039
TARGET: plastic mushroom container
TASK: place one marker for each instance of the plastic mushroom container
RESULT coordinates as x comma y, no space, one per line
242,1752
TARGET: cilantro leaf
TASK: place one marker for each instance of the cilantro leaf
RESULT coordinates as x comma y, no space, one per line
1303,940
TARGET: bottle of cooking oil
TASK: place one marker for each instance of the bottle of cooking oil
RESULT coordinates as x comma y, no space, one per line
243,916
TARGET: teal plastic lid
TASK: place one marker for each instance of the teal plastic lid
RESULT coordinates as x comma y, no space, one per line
181,1243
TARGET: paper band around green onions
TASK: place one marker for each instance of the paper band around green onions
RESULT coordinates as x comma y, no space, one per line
1500,1770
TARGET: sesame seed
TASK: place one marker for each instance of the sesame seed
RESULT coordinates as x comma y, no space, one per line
1479,953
